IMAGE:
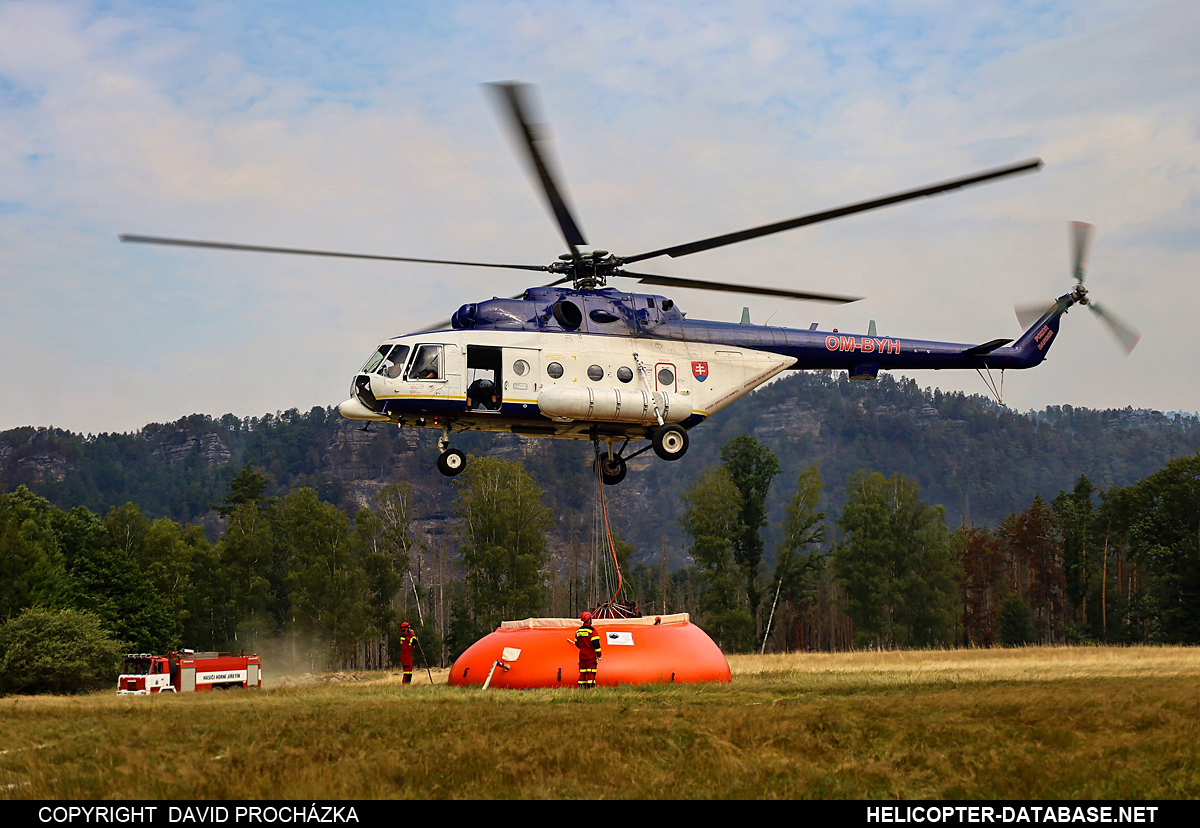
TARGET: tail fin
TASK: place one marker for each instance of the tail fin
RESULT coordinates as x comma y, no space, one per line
1031,348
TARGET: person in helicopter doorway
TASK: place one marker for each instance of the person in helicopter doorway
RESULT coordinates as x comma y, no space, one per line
407,639
587,640
482,395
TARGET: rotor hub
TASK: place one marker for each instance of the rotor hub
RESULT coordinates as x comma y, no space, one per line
589,270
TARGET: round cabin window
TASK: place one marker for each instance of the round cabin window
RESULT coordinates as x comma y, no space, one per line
555,370
666,376
595,373
520,367
624,374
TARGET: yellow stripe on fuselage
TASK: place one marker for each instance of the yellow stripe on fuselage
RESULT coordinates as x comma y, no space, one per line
463,399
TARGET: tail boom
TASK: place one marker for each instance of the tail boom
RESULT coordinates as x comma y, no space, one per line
864,355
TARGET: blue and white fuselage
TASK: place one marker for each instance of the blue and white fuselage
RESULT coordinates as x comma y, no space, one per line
610,365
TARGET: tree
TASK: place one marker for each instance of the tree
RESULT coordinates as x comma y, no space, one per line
104,559
896,565
247,486
711,518
384,537
983,586
503,540
56,651
247,553
325,580
1075,515
1034,553
461,630
1016,623
798,564
751,466
32,569
167,551
1164,536
212,613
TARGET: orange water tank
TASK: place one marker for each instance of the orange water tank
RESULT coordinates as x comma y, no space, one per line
667,648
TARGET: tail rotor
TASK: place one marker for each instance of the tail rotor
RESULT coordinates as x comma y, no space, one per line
1081,241
1125,335
1029,313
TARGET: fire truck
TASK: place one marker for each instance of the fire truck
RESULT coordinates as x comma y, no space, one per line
187,671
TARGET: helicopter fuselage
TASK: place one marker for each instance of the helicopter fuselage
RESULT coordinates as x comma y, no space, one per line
609,365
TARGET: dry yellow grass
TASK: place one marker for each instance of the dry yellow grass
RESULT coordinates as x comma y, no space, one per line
1036,723
1009,664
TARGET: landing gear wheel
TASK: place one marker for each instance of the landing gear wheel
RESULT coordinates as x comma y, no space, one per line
670,442
612,470
451,461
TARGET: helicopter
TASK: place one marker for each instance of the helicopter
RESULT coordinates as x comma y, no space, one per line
580,359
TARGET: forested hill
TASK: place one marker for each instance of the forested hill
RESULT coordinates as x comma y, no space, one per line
977,459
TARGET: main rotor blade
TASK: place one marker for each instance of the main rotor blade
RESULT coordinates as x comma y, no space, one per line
702,284
813,218
254,248
512,98
445,323
1126,335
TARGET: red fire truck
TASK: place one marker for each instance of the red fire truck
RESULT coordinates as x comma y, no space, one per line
187,671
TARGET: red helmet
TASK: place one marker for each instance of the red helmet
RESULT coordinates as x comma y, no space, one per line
404,625
585,617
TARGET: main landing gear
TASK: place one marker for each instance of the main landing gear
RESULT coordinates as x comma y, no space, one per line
670,442
450,461
612,469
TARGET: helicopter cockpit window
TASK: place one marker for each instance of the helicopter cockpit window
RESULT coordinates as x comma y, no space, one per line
375,359
427,364
393,364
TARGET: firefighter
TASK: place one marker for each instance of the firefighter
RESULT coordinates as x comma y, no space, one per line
407,639
588,642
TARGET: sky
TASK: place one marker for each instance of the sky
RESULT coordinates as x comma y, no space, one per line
364,127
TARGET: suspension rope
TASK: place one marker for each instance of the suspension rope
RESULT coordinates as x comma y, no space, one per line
608,531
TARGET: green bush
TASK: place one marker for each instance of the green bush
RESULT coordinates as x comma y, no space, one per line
1016,623
57,651
732,629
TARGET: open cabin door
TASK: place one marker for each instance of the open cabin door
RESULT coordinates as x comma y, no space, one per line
522,379
485,379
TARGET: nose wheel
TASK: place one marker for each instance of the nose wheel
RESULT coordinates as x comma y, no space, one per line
450,461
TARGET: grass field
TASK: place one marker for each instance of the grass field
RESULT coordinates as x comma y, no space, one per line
1025,723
